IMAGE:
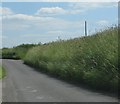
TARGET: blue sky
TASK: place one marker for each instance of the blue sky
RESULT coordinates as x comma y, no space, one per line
33,22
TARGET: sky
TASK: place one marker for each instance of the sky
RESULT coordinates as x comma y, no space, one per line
60,0
34,22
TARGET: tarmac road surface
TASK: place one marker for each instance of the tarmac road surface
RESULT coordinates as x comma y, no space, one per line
24,84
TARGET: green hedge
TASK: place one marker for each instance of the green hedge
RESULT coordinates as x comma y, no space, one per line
17,52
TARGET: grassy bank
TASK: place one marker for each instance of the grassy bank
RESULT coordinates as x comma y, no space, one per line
91,60
2,72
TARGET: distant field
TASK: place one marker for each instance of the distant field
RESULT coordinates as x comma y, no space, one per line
2,72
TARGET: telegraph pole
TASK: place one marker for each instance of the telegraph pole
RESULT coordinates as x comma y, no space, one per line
85,28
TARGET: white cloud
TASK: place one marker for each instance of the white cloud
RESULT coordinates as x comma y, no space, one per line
75,8
53,35
89,5
81,7
51,11
3,37
22,22
26,17
5,11
103,22
55,32
19,16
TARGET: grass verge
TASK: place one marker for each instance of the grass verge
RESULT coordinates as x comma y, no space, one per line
91,60
2,72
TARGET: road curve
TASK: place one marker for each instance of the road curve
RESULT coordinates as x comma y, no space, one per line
23,84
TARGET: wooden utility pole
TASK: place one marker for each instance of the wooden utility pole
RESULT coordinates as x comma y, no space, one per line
85,28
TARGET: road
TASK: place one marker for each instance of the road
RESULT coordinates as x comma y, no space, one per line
24,84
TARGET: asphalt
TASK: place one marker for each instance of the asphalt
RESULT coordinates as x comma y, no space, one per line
24,84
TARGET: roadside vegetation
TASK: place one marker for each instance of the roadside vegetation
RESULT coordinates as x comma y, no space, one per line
2,72
91,60
17,52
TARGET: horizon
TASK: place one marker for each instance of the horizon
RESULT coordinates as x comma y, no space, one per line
59,39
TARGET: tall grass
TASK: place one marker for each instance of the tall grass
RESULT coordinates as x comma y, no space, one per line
91,60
